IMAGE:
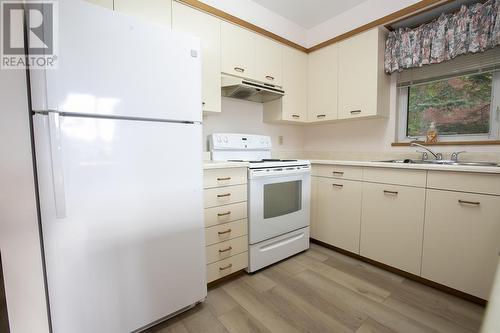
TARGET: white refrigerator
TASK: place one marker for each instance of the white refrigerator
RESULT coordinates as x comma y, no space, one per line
117,129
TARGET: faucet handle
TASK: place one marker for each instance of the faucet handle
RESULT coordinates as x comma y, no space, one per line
454,155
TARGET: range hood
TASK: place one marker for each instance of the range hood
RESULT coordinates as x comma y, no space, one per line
236,87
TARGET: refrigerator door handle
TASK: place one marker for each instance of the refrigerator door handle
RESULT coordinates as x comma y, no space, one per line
57,166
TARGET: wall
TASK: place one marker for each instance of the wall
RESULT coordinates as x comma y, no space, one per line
372,138
239,116
19,237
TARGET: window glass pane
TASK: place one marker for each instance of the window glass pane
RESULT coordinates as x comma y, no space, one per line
282,198
457,106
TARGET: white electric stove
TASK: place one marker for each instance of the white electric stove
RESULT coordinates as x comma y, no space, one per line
279,192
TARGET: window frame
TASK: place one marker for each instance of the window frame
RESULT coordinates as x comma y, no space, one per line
402,114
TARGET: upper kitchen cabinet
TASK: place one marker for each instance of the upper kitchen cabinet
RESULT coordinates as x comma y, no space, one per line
363,89
322,84
268,61
154,11
207,28
103,3
292,107
237,51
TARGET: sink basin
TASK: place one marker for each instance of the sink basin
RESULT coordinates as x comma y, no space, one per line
442,162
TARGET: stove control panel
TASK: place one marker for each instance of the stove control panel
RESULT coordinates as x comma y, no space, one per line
233,141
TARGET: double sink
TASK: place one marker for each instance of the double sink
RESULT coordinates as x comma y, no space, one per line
443,162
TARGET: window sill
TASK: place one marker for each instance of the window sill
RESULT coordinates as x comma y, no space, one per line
450,143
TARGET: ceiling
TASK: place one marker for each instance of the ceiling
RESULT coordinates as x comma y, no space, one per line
308,13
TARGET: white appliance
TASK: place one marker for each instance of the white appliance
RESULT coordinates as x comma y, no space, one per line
121,218
279,194
236,87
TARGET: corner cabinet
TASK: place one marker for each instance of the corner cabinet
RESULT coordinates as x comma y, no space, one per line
292,107
363,89
207,28
322,84
155,11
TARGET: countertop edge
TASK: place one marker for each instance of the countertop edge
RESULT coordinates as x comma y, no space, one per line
208,165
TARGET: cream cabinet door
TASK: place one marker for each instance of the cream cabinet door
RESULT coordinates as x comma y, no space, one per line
322,84
154,11
207,28
392,225
338,213
461,240
295,85
268,61
237,51
103,3
364,88
314,206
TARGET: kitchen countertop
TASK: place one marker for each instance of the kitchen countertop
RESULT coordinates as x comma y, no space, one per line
207,165
458,168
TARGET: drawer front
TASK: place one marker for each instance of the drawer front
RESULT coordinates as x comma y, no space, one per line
224,177
225,195
338,171
461,240
224,214
224,232
226,249
227,266
464,181
395,176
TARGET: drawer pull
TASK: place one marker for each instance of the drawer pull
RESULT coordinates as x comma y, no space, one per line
296,116
239,69
338,185
224,214
223,195
224,232
223,178
465,202
391,192
225,250
355,111
320,115
340,173
269,77
225,267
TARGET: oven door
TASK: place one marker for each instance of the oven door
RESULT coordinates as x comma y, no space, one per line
278,204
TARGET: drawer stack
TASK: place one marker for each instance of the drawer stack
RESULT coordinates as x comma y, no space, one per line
225,197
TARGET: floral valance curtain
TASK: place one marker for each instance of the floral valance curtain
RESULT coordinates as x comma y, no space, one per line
472,29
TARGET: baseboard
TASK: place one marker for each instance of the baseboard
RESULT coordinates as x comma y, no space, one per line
407,275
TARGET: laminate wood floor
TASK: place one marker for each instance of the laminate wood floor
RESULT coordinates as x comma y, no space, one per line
323,291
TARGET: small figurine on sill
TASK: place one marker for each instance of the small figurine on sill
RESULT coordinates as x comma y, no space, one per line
432,134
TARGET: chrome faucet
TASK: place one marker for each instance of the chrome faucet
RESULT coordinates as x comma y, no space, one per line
437,156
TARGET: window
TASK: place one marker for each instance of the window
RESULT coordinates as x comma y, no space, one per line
463,108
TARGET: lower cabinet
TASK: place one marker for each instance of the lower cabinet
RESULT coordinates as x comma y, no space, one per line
461,240
392,225
338,212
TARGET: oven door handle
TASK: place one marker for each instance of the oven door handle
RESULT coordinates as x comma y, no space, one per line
263,174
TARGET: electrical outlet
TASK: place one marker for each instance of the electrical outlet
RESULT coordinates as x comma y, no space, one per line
280,140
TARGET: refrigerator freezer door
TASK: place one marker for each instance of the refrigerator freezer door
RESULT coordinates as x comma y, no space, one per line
129,248
116,65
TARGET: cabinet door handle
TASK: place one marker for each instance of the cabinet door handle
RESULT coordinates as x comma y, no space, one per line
223,178
465,202
391,192
338,185
340,173
229,248
355,111
269,77
320,115
224,232
295,116
239,69
224,214
223,195
225,267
